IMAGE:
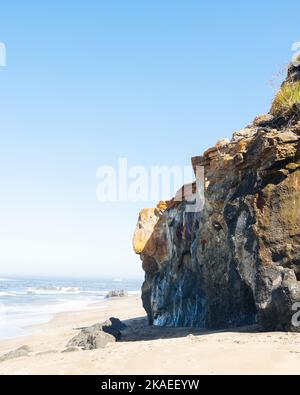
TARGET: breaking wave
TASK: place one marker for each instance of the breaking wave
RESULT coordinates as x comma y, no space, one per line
52,290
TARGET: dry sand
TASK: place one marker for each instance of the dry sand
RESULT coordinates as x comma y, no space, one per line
151,350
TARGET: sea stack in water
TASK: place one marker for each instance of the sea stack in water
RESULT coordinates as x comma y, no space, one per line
236,261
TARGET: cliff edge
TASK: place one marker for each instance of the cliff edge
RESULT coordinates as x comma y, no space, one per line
236,261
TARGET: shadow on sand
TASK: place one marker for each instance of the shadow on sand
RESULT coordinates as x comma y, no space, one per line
138,329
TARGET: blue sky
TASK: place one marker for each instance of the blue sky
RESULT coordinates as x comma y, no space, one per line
88,82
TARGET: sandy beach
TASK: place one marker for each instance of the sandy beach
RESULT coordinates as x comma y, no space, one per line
151,350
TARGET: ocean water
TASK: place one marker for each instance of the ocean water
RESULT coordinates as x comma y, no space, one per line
26,301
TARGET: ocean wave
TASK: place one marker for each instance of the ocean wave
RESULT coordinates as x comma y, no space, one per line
18,311
11,293
4,293
52,290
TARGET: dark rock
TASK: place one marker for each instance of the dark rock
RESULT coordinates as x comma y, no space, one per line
118,293
263,120
293,74
98,335
235,262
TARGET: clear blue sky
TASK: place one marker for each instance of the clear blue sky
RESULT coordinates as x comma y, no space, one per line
88,82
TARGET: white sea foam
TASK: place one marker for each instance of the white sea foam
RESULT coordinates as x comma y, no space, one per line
53,290
32,301
20,317
11,293
61,305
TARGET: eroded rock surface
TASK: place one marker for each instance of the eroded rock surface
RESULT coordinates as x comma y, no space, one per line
237,261
22,351
97,336
116,293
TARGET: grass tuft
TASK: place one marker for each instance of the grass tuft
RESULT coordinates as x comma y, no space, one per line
287,100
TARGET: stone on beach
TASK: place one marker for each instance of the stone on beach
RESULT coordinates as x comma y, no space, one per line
118,293
97,336
22,351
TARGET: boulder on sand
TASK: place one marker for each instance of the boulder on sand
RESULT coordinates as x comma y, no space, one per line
98,335
19,352
118,293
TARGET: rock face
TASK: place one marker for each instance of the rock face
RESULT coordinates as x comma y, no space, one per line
237,260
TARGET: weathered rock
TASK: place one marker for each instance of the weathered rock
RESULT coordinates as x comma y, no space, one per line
222,143
293,74
248,132
97,336
236,261
296,128
263,120
19,352
147,220
117,293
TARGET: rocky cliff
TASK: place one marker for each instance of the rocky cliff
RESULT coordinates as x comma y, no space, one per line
237,260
